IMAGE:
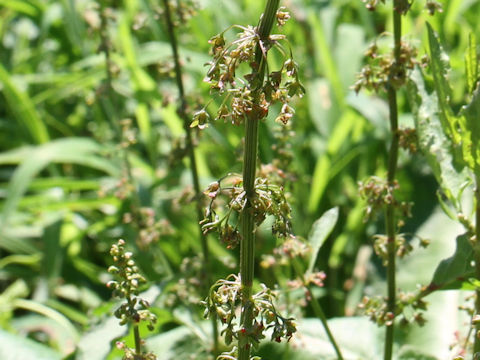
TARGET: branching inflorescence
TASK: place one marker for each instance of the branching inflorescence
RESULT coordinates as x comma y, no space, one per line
389,73
135,309
248,100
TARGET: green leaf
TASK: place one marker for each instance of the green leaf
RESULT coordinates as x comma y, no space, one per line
34,159
16,347
324,54
20,6
48,312
323,169
440,69
321,229
471,113
55,334
141,79
457,266
471,63
432,141
23,109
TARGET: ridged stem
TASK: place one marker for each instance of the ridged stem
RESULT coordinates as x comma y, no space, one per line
247,247
191,155
392,168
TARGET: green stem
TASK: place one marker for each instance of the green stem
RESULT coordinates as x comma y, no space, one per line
476,345
136,331
138,340
191,155
247,247
317,309
392,167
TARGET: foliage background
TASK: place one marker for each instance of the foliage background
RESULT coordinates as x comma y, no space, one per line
64,185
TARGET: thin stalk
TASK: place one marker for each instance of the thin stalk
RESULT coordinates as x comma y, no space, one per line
317,309
191,156
138,340
136,331
247,247
392,168
476,344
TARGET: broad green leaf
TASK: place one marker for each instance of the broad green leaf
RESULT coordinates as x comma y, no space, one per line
456,266
15,347
321,229
440,69
349,48
434,144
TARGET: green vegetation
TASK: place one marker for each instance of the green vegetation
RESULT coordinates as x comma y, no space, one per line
200,179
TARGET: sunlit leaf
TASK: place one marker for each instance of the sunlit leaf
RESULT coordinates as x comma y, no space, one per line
321,229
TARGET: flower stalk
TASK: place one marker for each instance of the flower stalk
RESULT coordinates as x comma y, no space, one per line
392,168
247,248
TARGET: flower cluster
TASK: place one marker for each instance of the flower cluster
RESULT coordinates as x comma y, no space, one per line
269,200
378,193
224,300
183,10
252,95
126,286
150,230
402,6
402,246
186,289
129,354
408,139
383,71
376,309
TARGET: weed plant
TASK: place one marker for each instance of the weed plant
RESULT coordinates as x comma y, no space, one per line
109,131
